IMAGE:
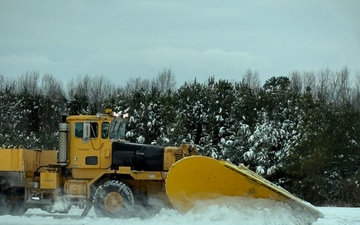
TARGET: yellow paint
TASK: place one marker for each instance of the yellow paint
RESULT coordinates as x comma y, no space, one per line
173,154
75,187
124,169
202,178
11,159
107,153
146,175
25,159
50,180
84,173
94,147
169,156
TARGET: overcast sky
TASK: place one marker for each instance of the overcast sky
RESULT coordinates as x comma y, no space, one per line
123,39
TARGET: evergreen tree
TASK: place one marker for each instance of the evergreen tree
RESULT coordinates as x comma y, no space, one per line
276,131
244,116
220,123
168,113
190,114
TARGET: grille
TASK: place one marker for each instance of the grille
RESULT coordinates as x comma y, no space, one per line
178,156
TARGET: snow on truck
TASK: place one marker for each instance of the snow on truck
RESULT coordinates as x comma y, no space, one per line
95,167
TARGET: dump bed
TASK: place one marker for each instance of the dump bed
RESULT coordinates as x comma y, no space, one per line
21,160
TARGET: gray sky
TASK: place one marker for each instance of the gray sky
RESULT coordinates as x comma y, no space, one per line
127,39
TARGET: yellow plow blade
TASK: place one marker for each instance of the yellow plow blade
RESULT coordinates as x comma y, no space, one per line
202,178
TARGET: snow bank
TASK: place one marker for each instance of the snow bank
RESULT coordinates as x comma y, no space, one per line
251,213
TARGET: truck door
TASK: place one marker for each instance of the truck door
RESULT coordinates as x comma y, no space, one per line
85,145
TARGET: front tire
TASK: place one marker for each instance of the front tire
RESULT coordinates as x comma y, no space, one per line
113,199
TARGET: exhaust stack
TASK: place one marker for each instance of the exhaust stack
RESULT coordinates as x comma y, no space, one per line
63,143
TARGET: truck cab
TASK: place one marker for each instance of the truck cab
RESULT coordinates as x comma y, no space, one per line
89,143
90,139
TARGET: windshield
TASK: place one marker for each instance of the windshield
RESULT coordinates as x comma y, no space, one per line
117,129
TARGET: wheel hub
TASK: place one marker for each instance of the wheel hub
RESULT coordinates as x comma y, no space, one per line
113,202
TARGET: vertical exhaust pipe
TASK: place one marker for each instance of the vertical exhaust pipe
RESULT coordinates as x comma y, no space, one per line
63,142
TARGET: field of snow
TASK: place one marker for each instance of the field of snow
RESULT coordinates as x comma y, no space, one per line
253,213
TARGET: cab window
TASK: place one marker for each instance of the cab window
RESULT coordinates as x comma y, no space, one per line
79,129
105,130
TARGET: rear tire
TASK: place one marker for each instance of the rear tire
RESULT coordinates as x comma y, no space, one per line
113,199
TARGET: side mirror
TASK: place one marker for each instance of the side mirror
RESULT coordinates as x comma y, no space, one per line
87,130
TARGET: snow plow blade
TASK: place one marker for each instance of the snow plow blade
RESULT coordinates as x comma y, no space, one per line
202,178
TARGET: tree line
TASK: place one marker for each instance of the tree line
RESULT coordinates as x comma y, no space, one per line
301,131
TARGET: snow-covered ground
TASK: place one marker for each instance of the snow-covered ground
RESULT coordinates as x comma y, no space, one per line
253,213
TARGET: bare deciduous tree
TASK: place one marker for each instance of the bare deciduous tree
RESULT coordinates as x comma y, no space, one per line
336,87
165,81
356,91
79,86
342,88
5,84
309,81
100,90
251,78
52,87
28,83
95,89
323,85
2,83
295,82
137,84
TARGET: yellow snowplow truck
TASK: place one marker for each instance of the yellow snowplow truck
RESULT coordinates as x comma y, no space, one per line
95,167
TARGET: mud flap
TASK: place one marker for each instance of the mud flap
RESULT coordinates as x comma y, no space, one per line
203,178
